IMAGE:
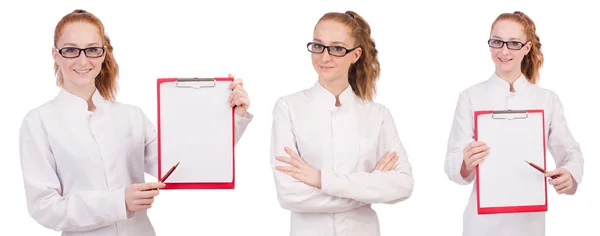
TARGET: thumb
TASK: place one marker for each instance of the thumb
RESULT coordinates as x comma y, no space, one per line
153,185
554,172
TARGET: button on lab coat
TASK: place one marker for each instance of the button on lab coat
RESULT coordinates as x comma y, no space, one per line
345,144
494,94
76,164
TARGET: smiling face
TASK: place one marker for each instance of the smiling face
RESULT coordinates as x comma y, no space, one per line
509,56
80,71
332,33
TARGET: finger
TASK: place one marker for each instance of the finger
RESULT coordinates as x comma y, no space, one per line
299,160
555,172
385,160
381,161
235,83
239,88
291,169
143,207
476,162
472,145
153,185
479,149
292,161
241,102
294,155
391,164
230,98
559,180
290,152
287,160
478,156
144,201
146,194
561,187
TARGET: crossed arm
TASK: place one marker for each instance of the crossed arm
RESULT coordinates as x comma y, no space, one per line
329,192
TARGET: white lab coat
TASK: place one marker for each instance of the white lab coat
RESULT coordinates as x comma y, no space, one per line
76,164
345,144
494,94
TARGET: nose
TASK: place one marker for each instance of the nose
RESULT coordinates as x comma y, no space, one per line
325,55
504,49
83,60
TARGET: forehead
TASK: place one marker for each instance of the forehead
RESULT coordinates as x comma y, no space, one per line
79,34
507,30
331,32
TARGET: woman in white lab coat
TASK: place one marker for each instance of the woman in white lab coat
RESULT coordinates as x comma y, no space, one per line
83,154
516,51
330,142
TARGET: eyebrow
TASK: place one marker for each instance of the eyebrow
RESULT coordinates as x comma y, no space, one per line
496,37
75,45
332,43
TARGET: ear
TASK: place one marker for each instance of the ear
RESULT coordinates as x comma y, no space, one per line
527,47
56,56
356,55
104,55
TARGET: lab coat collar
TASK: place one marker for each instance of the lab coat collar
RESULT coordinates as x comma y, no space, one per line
73,103
519,84
347,97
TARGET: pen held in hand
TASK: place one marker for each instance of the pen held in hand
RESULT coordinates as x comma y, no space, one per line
539,168
164,178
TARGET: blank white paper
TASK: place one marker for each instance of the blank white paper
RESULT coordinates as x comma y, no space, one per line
197,130
505,179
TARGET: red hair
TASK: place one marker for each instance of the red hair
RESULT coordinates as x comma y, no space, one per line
363,74
106,81
533,61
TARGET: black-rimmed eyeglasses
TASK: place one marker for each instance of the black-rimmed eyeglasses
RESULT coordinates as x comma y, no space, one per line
72,52
337,51
512,45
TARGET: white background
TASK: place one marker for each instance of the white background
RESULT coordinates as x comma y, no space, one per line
429,52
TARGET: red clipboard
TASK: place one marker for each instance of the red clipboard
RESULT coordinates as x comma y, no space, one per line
532,176
190,84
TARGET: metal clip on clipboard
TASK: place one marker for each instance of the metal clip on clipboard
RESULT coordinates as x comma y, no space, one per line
510,114
195,82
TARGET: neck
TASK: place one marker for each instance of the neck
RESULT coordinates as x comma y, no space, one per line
510,77
336,87
84,93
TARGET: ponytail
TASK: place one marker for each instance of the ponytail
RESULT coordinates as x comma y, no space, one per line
106,80
364,73
533,61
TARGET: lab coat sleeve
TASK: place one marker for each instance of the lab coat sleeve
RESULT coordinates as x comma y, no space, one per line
461,134
150,146
293,194
562,145
241,123
78,211
388,187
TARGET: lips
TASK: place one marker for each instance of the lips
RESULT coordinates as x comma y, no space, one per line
81,72
505,59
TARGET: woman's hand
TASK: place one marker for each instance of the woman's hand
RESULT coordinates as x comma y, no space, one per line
299,169
238,97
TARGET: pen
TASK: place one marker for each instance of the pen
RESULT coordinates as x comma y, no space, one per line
538,168
164,178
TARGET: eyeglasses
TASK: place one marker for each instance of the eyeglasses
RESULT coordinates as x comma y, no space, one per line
512,45
91,52
337,51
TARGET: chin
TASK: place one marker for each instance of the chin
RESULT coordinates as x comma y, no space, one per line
505,69
81,82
